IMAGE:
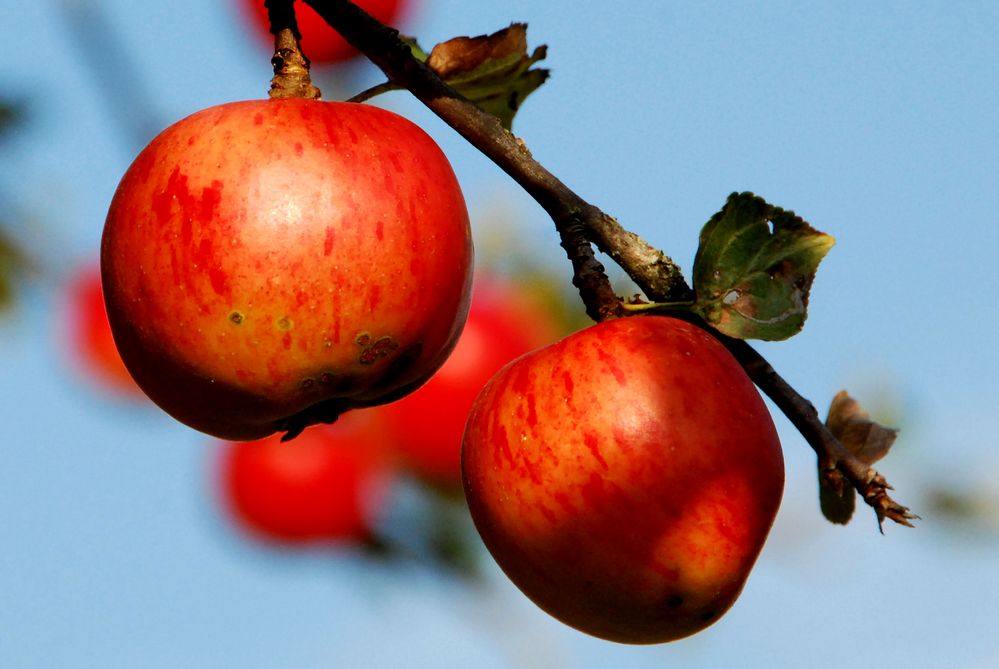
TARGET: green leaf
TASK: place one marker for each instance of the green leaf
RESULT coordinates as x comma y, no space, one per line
754,268
11,263
414,48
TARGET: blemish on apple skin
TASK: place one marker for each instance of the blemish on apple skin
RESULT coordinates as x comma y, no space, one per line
363,339
283,324
307,383
674,601
378,350
235,317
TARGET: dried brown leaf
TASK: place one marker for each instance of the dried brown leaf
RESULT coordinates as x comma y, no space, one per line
851,424
494,71
464,54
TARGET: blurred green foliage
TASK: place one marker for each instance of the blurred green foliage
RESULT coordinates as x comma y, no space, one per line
12,260
10,115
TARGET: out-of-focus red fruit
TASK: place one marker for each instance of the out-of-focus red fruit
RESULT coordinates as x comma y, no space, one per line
88,333
504,322
325,486
320,42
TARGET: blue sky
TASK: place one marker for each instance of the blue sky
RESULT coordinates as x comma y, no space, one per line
874,121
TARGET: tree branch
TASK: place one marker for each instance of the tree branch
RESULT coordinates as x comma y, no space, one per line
835,460
568,211
655,273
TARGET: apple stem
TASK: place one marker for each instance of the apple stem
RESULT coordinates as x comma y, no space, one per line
291,67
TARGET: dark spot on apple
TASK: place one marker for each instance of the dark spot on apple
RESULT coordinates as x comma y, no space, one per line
674,602
307,383
283,323
378,350
708,615
235,318
363,339
326,378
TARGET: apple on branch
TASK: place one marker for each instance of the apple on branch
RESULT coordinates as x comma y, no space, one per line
625,478
270,264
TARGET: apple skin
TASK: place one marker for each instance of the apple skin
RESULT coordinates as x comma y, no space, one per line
326,486
321,43
270,264
625,478
426,426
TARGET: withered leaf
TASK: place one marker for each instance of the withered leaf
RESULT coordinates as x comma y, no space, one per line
465,54
493,71
852,426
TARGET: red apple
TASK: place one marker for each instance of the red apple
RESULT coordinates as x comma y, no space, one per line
271,264
320,42
503,323
625,478
88,333
327,485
